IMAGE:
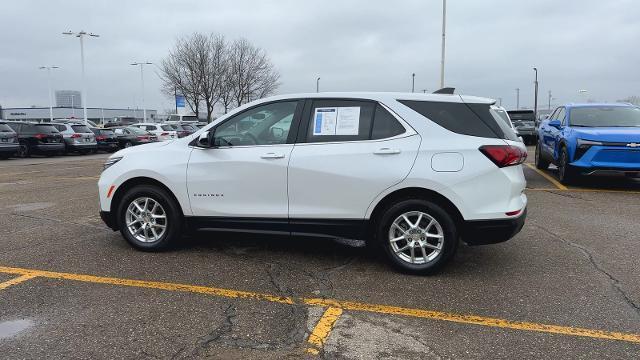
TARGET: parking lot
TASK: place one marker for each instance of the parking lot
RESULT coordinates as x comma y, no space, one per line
565,287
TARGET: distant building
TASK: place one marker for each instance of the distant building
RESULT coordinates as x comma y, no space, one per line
41,114
68,98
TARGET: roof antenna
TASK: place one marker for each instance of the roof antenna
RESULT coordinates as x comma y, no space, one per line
445,90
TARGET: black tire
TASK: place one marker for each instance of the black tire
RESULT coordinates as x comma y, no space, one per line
447,224
541,162
24,151
127,144
566,173
174,218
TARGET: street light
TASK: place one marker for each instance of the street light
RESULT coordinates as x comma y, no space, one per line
73,108
48,68
535,98
413,82
584,94
517,98
81,35
444,18
550,98
142,64
318,84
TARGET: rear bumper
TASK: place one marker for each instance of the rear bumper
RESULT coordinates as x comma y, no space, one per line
45,148
484,232
79,147
109,220
108,146
9,148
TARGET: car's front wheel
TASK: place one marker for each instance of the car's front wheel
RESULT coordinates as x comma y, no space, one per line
148,218
541,163
417,236
566,173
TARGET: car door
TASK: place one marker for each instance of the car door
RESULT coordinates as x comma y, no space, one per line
242,180
349,151
546,135
555,134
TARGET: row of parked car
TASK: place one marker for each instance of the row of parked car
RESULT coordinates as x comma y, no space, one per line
63,136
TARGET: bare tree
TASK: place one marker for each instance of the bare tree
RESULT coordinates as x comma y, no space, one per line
205,69
251,74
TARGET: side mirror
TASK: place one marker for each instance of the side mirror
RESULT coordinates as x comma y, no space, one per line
204,140
555,123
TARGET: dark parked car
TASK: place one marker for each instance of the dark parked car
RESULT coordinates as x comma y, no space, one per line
42,139
9,145
183,129
106,139
129,136
525,122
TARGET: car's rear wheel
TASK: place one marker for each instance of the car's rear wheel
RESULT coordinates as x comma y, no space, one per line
149,219
127,144
417,236
566,173
23,150
541,163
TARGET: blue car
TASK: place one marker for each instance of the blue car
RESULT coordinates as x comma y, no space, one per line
590,139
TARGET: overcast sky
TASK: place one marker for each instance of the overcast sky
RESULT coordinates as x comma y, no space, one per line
492,46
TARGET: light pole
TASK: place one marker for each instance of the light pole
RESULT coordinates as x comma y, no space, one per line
48,68
517,98
550,97
73,108
500,101
81,35
413,82
444,18
535,98
144,109
318,84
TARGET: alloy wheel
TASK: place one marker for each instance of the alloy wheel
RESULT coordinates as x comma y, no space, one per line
416,237
146,220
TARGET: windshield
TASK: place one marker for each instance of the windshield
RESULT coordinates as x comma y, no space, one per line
46,129
137,131
190,118
80,129
503,115
605,116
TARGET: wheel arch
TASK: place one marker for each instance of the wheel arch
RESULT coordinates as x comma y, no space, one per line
140,180
414,193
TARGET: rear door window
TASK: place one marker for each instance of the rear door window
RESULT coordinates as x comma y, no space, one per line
340,120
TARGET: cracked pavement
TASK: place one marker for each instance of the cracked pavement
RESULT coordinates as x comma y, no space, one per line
575,263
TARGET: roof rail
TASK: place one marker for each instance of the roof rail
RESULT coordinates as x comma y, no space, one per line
445,90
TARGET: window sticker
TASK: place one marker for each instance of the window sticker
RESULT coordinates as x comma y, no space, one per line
348,122
324,121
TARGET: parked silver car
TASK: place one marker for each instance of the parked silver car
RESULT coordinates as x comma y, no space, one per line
77,137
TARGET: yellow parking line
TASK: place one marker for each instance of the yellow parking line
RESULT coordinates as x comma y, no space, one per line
586,190
344,305
16,281
547,176
323,328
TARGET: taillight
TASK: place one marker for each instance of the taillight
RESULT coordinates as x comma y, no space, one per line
143,137
40,136
75,136
504,155
164,134
101,138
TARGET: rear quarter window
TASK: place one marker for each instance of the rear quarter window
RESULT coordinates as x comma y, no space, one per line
463,118
80,128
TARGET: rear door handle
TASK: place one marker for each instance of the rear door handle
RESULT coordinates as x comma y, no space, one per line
272,156
386,151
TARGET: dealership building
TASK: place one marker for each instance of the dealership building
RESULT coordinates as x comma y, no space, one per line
96,115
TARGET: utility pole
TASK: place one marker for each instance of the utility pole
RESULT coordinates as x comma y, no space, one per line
81,36
73,108
413,82
535,98
549,99
444,20
318,84
517,98
144,109
48,68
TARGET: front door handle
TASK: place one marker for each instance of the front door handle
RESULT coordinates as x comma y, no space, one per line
272,156
386,151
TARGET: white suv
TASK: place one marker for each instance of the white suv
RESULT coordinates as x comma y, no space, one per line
411,174
163,132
